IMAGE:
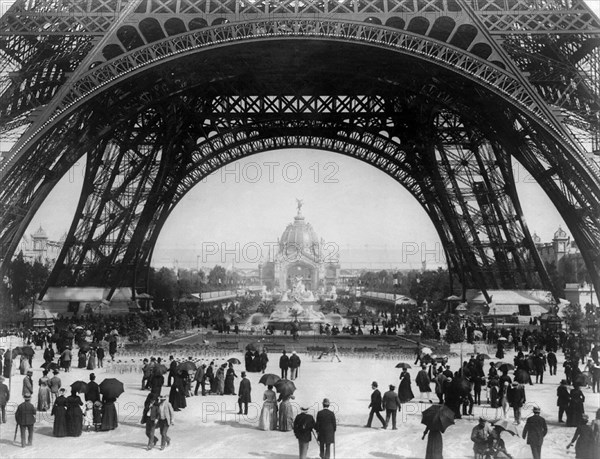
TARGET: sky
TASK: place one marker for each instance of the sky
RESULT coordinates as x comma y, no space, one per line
234,217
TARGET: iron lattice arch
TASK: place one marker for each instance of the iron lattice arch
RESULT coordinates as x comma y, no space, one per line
165,93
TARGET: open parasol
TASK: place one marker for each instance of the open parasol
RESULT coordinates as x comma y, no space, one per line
522,376
187,366
79,387
159,368
111,388
234,361
426,350
438,417
285,387
269,379
502,338
403,365
506,425
505,367
460,386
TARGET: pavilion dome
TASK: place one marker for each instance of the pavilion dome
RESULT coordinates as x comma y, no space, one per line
40,234
299,237
560,234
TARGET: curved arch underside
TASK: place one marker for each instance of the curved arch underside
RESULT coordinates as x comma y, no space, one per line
442,135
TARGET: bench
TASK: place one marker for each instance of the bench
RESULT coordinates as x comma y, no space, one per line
274,347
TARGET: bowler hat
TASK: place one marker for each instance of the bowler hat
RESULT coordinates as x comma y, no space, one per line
27,397
303,408
536,409
325,402
374,384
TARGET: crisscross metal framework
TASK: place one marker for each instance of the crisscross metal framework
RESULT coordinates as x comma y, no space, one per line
159,94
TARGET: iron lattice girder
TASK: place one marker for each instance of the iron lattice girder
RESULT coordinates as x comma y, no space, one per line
71,18
102,77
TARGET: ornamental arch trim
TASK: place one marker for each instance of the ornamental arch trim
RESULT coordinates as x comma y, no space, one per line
469,65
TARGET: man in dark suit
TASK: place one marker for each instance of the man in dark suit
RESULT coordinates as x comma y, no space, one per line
563,398
375,406
535,430
303,426
284,364
93,390
552,362
25,417
325,428
4,398
391,404
244,393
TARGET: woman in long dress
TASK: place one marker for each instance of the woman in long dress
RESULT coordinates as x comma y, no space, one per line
82,359
110,419
268,414
59,411
584,440
220,380
286,414
177,393
44,401
74,415
229,381
435,444
405,393
575,411
91,364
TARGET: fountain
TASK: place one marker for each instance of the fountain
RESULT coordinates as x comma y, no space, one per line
296,307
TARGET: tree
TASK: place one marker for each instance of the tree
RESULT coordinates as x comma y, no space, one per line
217,277
574,317
454,333
136,329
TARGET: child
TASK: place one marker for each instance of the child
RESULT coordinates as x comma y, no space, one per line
88,418
97,415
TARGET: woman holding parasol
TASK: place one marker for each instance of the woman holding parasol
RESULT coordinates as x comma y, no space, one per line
268,414
110,389
437,419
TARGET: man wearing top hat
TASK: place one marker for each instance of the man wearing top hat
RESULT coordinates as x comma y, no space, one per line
25,417
303,427
535,430
244,394
376,406
325,428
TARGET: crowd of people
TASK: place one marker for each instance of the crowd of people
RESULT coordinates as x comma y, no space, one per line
504,386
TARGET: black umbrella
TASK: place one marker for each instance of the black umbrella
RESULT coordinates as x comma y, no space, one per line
111,388
269,379
160,368
28,351
522,376
438,417
84,346
403,365
187,366
461,386
285,387
79,387
505,367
